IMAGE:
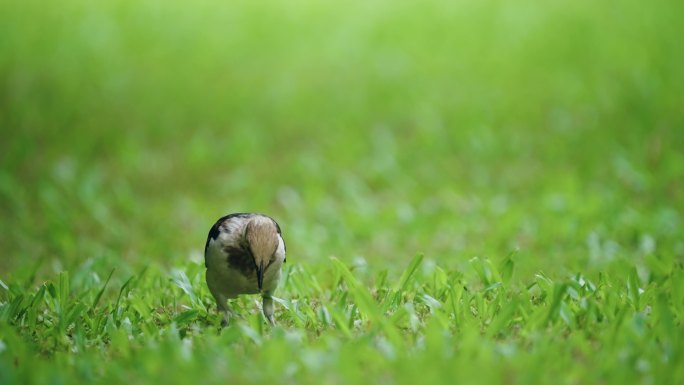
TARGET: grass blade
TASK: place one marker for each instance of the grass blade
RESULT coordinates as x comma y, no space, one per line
99,293
366,304
408,273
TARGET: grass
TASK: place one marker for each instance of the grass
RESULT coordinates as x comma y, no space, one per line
341,324
472,191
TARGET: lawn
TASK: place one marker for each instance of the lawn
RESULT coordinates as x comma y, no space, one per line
470,191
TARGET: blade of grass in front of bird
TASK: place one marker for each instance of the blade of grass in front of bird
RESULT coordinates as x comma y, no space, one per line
403,282
485,270
455,300
506,268
633,288
185,317
503,318
75,312
559,290
340,320
666,323
180,278
367,305
408,273
64,290
117,311
99,293
12,310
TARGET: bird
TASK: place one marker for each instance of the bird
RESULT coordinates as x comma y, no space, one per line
244,254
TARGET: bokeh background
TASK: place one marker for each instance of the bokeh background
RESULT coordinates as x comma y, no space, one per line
370,130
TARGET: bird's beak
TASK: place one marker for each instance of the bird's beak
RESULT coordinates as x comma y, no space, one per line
260,275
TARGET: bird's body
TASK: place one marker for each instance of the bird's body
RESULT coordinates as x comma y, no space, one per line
244,254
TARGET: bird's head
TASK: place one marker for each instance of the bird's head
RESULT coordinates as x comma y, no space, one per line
262,237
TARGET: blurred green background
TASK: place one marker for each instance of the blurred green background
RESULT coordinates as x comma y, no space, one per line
367,129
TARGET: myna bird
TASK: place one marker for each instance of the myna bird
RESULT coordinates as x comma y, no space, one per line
244,254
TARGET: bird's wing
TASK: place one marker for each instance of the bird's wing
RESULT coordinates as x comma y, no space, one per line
280,233
222,225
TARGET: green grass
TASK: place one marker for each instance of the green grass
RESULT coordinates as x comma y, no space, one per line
339,324
470,191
